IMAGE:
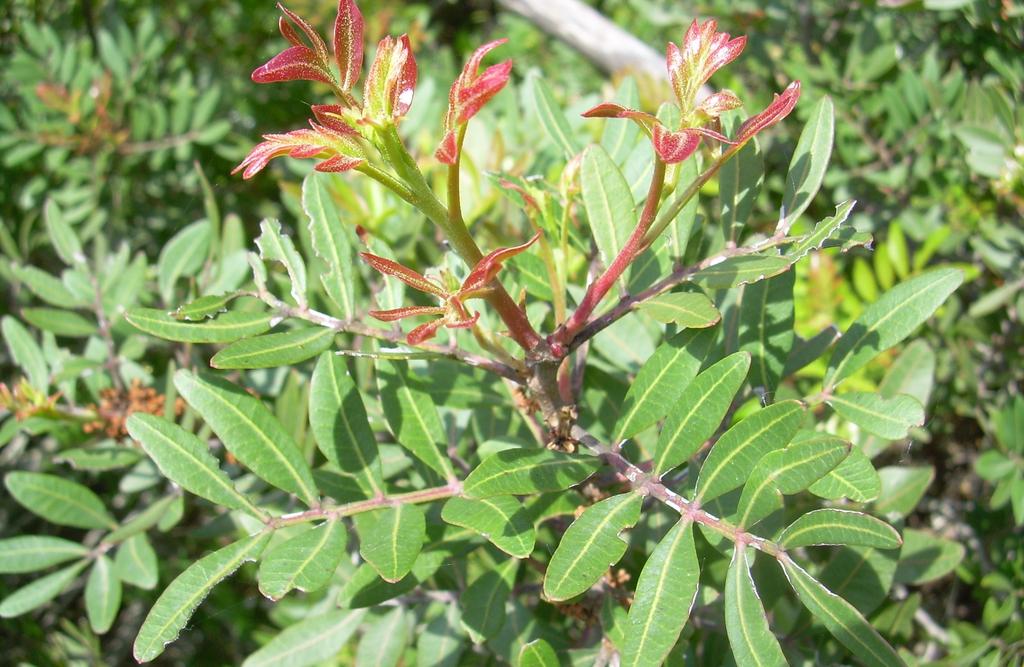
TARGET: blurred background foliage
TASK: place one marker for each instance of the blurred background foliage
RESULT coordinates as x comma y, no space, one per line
128,115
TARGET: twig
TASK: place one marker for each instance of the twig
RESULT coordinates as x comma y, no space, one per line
432,494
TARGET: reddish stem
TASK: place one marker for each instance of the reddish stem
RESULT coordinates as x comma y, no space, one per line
634,246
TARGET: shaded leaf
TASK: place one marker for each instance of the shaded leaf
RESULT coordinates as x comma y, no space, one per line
40,591
390,539
926,557
502,519
608,203
310,641
809,162
766,328
305,562
332,242
483,603
26,352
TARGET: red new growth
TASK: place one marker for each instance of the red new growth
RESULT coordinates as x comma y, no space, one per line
470,92
453,312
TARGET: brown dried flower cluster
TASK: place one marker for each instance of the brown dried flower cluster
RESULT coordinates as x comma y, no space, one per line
117,405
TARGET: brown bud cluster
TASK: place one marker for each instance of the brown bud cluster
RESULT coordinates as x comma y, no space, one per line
116,405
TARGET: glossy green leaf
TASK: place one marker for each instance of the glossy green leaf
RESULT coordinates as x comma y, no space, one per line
224,328
823,232
608,203
662,380
524,471
855,478
390,539
665,593
332,242
136,562
203,307
274,350
699,411
305,562
183,255
62,236
788,471
889,418
412,416
340,426
687,310
746,624
29,553
277,247
590,546
483,602
102,595
551,117
538,653
40,591
502,519
26,352
250,432
741,270
766,329
175,606
844,622
926,557
185,460
58,500
902,488
733,457
311,641
809,162
835,526
890,319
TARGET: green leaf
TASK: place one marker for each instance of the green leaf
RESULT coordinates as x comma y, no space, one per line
844,622
332,242
808,164
62,236
178,602
525,471
440,644
186,461
275,350
221,329
741,270
412,416
483,603
740,181
26,353
752,641
305,562
39,592
590,545
733,457
385,639
309,642
855,478
159,513
502,519
687,310
58,500
889,418
835,526
608,202
902,488
60,322
204,307
551,117
822,232
664,596
47,287
100,458
102,595
538,653
766,328
662,379
250,432
788,471
340,426
275,246
890,319
29,553
183,255
699,411
390,539
926,557
136,563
